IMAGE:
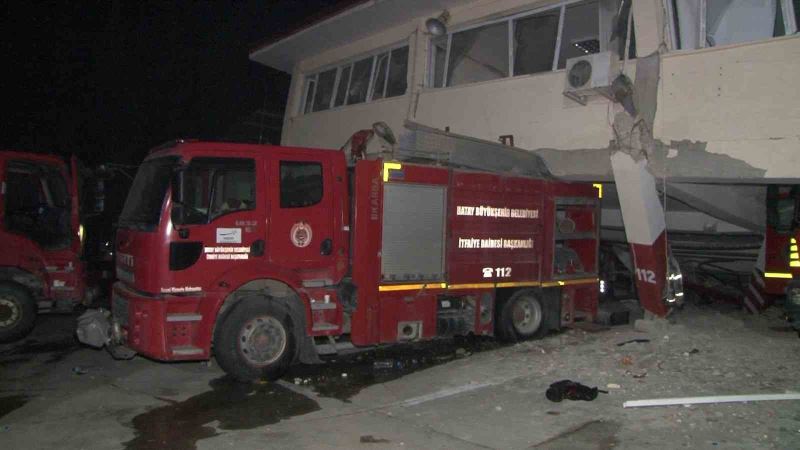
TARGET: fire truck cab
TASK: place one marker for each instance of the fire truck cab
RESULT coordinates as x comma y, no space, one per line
272,255
40,266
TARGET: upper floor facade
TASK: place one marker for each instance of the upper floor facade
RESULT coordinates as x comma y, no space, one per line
725,103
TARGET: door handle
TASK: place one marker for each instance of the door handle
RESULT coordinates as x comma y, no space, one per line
326,247
257,248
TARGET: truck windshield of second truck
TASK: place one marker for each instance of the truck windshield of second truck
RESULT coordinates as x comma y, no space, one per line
143,206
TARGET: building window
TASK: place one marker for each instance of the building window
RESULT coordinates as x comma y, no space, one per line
301,184
377,76
535,40
478,54
531,42
710,23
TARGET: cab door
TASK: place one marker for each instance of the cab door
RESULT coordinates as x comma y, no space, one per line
302,213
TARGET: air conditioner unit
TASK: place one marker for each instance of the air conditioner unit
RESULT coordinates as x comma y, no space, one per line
590,75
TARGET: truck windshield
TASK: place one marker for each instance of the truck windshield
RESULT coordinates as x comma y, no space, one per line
38,203
142,208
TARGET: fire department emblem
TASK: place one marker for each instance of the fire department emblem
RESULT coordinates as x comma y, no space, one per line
301,234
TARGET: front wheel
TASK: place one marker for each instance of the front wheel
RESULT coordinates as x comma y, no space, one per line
255,340
17,312
522,317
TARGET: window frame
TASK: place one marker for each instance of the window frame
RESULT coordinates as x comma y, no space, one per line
290,162
789,23
560,6
209,162
312,77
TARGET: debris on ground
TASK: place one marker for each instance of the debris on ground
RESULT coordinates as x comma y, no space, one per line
636,374
633,341
686,401
79,370
370,439
385,364
571,390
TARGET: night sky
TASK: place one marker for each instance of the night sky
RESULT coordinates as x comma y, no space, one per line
108,80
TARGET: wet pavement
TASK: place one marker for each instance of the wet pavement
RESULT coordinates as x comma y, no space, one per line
461,393
229,405
11,402
343,377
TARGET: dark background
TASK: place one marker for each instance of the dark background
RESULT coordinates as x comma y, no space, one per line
108,80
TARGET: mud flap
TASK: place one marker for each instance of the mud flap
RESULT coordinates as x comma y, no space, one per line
306,352
551,301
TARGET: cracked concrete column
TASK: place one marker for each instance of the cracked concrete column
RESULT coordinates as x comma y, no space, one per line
645,228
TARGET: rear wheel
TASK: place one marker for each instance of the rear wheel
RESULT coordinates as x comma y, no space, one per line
522,317
255,340
17,312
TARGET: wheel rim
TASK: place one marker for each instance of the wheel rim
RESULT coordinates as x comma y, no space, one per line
527,315
262,340
9,312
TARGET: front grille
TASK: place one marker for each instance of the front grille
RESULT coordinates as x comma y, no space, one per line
119,308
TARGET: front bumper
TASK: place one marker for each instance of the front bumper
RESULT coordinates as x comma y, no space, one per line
164,327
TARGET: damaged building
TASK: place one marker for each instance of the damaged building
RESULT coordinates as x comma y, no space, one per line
680,111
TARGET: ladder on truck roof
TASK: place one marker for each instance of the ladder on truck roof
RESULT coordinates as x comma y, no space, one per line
426,144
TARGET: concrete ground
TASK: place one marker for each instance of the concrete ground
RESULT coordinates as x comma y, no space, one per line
465,394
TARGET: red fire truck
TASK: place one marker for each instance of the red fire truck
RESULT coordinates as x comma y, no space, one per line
272,255
777,273
40,265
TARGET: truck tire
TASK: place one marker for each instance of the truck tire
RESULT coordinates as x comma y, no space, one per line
17,312
522,316
255,340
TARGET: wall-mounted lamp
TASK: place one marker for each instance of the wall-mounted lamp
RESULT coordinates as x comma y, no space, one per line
437,26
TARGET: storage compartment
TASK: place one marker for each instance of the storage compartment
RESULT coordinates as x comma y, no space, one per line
575,235
413,232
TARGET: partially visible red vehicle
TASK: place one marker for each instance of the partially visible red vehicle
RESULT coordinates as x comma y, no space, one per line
40,263
781,262
781,257
271,255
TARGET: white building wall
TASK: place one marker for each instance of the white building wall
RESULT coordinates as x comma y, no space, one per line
741,100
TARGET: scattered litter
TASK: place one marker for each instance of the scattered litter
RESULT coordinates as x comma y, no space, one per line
710,399
383,364
633,341
370,439
571,390
344,375
553,413
627,360
498,408
613,386
79,370
640,374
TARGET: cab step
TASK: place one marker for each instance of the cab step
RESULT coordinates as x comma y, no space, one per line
184,317
186,350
